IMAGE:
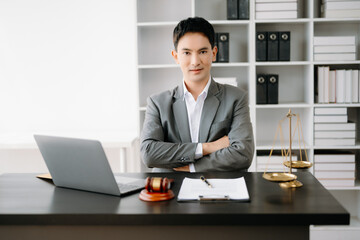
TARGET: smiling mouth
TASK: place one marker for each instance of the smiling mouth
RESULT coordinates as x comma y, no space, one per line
196,70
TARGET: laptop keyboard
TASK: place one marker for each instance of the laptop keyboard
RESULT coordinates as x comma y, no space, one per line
126,184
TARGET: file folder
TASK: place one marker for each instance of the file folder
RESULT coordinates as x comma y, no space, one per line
273,89
261,89
284,46
273,46
261,46
223,42
232,9
243,9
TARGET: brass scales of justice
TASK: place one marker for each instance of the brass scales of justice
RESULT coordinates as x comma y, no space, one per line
288,179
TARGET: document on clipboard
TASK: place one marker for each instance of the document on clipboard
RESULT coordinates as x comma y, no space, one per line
221,190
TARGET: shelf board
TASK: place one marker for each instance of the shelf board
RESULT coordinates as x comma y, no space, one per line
351,20
231,64
268,145
288,63
356,146
354,225
229,22
283,105
335,62
286,21
336,105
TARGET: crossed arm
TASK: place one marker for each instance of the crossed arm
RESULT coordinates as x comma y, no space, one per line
227,153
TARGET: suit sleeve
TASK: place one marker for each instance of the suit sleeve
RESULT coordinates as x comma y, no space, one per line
239,155
155,152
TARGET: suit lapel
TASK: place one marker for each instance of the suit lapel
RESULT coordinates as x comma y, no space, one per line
181,116
210,108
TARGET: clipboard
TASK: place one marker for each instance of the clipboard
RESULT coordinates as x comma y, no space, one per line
193,190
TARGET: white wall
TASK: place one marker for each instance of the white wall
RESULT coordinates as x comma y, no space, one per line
67,65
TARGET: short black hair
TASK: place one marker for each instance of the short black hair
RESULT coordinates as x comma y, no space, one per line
195,25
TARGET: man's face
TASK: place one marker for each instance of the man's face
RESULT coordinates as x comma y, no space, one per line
195,55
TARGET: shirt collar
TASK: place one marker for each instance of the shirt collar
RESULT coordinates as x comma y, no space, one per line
204,92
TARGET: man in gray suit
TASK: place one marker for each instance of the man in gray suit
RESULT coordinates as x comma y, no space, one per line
200,125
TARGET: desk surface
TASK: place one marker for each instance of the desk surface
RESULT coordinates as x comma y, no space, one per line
26,200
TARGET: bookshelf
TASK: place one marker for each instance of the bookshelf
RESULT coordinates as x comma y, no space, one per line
297,81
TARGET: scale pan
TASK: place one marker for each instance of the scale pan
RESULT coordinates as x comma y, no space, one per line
279,177
298,164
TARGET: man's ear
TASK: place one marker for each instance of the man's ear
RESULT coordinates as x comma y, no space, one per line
214,52
175,56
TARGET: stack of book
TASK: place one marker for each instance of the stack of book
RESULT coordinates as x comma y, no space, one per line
335,170
276,9
340,9
331,127
331,48
338,86
274,164
226,80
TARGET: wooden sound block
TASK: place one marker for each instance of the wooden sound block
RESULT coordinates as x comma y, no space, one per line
145,195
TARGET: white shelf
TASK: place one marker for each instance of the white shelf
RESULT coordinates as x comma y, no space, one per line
330,20
297,79
238,64
229,22
286,21
268,145
283,105
291,63
356,146
337,105
335,62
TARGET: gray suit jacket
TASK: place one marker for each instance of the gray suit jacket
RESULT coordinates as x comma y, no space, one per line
166,141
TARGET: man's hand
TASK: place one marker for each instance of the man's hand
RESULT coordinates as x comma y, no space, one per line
182,169
216,145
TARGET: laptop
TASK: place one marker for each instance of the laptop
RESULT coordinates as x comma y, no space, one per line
82,164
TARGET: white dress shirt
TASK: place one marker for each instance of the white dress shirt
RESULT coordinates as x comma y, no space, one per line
194,110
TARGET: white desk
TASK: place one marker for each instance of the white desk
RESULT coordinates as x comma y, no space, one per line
125,142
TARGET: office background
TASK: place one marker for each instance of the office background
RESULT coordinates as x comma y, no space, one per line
73,66
65,66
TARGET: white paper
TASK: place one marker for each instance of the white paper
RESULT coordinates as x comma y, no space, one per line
234,189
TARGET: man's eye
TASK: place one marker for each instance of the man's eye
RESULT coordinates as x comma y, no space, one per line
203,52
186,53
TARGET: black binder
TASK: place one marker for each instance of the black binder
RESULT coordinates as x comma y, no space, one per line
261,89
284,46
261,46
223,42
232,9
273,46
273,89
243,9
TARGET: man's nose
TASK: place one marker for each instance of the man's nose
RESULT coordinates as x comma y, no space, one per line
195,59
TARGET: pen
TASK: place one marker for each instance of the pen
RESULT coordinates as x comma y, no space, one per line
205,181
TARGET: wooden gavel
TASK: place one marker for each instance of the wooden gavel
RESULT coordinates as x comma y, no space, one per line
157,184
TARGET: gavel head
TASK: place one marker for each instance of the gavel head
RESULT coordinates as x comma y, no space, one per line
157,184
